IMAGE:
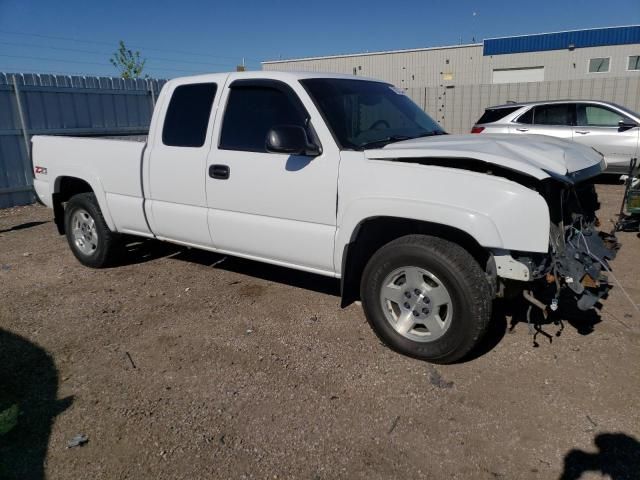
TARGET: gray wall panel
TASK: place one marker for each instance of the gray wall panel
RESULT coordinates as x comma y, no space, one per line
96,106
457,109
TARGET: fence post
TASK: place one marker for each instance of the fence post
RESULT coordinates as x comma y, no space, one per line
23,123
153,95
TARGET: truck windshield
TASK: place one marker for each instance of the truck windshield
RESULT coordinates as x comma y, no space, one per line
368,114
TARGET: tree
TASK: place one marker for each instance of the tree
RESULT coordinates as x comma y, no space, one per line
127,62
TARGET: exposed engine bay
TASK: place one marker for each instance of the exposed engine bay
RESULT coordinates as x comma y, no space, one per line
578,253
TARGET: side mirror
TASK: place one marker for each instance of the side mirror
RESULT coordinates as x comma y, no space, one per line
626,125
291,139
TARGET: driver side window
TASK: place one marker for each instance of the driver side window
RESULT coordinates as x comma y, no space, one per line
251,112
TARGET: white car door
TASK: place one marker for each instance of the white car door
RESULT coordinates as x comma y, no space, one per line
275,207
176,158
599,127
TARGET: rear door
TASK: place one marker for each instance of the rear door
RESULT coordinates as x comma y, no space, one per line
555,120
599,127
271,206
176,202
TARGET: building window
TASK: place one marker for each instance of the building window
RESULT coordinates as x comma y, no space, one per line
599,65
518,75
634,62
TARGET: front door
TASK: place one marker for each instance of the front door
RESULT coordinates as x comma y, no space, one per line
599,127
270,206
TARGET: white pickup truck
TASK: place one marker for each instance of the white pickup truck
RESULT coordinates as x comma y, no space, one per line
344,177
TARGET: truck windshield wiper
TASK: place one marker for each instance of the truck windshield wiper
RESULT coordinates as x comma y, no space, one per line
384,141
398,138
431,134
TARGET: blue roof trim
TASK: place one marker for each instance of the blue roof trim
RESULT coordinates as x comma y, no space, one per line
560,41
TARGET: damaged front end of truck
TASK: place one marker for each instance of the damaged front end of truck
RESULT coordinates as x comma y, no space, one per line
575,268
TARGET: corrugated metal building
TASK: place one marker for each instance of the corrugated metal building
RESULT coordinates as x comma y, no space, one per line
571,55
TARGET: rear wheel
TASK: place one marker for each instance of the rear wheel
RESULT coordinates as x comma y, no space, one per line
89,237
427,298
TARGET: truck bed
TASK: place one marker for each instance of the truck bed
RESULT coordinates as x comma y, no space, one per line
112,167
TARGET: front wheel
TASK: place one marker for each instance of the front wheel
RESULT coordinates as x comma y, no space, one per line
427,298
89,237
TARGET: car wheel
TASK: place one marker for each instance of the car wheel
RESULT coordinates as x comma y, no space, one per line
89,237
427,298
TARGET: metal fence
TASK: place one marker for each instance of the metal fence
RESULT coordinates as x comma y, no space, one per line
33,104
457,108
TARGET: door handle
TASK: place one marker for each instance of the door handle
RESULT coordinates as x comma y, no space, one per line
221,172
522,129
582,132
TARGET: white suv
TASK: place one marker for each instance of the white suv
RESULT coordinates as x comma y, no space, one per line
609,128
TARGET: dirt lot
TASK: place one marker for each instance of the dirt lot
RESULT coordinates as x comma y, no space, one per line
176,365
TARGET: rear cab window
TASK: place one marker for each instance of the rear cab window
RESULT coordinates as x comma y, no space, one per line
494,114
187,117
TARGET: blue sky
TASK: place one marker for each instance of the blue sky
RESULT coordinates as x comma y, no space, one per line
183,37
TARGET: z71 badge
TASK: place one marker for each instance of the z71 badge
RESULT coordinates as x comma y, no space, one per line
40,170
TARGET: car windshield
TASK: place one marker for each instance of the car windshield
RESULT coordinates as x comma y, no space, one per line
368,114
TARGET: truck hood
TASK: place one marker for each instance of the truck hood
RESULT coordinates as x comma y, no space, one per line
536,155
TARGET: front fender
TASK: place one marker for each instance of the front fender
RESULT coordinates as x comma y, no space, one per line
513,218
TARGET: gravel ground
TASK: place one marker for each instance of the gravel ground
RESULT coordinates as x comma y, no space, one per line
184,364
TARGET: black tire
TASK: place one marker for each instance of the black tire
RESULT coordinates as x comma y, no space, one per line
108,245
466,284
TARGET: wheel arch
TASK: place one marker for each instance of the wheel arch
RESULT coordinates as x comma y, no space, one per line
65,187
372,233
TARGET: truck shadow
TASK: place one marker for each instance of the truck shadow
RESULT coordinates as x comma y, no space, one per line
28,406
568,314
617,458
265,271
141,251
145,250
509,314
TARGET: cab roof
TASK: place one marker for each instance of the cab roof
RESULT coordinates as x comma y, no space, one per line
266,74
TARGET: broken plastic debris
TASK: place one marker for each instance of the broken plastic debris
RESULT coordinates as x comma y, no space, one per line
77,441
